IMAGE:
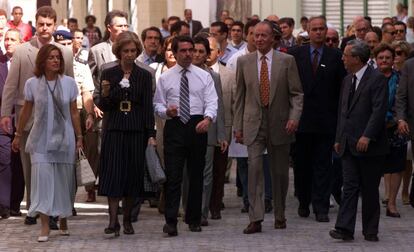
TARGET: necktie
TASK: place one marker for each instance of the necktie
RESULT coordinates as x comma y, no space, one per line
264,83
184,98
315,61
352,90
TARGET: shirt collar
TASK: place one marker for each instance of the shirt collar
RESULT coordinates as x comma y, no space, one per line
40,44
361,72
180,68
268,54
320,49
215,67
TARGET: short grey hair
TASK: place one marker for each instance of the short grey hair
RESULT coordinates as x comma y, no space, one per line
360,49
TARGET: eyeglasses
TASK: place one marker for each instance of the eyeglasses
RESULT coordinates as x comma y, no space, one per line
392,33
399,53
399,31
333,40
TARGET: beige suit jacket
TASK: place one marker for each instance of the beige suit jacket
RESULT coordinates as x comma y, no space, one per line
285,101
228,84
21,69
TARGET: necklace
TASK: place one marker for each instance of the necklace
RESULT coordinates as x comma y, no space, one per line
52,91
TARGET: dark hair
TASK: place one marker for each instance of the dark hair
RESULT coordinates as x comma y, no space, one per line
250,23
204,42
108,20
90,16
287,20
222,25
152,28
384,47
378,31
360,49
123,39
72,20
180,39
173,18
47,12
369,19
177,26
304,18
238,23
401,23
17,7
384,26
229,18
165,44
3,13
41,58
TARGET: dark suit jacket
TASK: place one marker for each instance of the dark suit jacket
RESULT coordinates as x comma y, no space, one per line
321,91
197,26
365,116
3,72
404,103
345,41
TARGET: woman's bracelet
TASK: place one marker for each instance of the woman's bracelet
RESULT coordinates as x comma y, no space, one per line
17,134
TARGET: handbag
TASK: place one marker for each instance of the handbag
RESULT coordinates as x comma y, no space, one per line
84,173
154,166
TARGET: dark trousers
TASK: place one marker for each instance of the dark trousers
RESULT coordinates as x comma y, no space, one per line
219,173
313,170
182,145
337,181
361,175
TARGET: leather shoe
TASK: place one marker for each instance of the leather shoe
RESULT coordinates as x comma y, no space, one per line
194,227
371,237
53,223
391,214
170,230
280,224
30,220
203,222
245,209
215,216
321,217
341,235
303,211
253,227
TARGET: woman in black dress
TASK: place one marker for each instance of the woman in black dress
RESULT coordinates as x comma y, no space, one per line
128,126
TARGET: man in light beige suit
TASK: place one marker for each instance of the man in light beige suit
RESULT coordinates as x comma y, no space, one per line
268,106
21,69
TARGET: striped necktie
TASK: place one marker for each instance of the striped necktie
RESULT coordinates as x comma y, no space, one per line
184,98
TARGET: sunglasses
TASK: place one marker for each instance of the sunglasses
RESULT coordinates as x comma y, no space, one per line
392,33
399,31
333,40
399,53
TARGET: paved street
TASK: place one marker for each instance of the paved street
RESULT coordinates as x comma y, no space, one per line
302,234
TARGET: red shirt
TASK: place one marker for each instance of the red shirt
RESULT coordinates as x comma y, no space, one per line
25,29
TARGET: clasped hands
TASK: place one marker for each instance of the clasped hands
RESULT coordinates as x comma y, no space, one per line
201,127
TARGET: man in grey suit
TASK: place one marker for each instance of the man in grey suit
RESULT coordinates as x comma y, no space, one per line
268,106
404,106
361,142
21,69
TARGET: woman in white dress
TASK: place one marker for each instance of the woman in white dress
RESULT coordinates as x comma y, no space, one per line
51,96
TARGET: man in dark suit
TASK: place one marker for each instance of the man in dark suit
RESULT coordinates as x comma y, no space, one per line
195,26
361,27
321,72
361,142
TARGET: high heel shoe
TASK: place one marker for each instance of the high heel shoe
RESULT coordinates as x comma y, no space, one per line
43,238
128,228
113,230
391,214
64,232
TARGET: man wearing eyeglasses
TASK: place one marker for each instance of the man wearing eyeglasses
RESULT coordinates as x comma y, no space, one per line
400,31
321,72
388,33
332,38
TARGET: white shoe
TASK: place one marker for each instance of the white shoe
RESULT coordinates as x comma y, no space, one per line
64,232
43,238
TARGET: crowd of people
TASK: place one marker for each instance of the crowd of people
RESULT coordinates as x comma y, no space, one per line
260,93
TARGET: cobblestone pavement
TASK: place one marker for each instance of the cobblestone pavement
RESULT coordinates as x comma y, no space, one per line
302,234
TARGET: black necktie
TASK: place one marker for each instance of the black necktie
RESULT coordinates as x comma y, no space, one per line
352,90
315,61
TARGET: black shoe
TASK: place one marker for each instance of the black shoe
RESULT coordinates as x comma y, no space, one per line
53,223
371,237
204,222
392,214
194,227
128,228
245,209
74,213
303,211
268,206
321,217
30,220
113,230
239,192
170,230
341,235
134,219
222,206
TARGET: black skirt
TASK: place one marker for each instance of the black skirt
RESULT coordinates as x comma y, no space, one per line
396,158
121,172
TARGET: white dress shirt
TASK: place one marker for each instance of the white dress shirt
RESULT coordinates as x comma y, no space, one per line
232,63
359,75
203,96
269,56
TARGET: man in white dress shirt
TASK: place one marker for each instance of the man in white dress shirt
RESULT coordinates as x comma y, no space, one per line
186,98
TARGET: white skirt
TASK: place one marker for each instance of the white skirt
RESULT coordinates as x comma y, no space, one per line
53,189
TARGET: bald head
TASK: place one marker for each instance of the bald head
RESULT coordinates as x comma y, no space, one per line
372,40
332,38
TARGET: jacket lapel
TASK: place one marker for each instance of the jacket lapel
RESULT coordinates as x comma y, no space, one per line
253,66
319,69
360,87
276,65
33,49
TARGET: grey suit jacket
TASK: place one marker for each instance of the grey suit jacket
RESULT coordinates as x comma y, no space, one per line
216,131
21,69
99,55
285,100
228,84
404,104
365,115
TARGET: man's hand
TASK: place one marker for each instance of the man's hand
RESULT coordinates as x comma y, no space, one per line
336,147
223,146
238,134
403,128
291,126
362,145
202,127
16,144
172,111
6,124
98,112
